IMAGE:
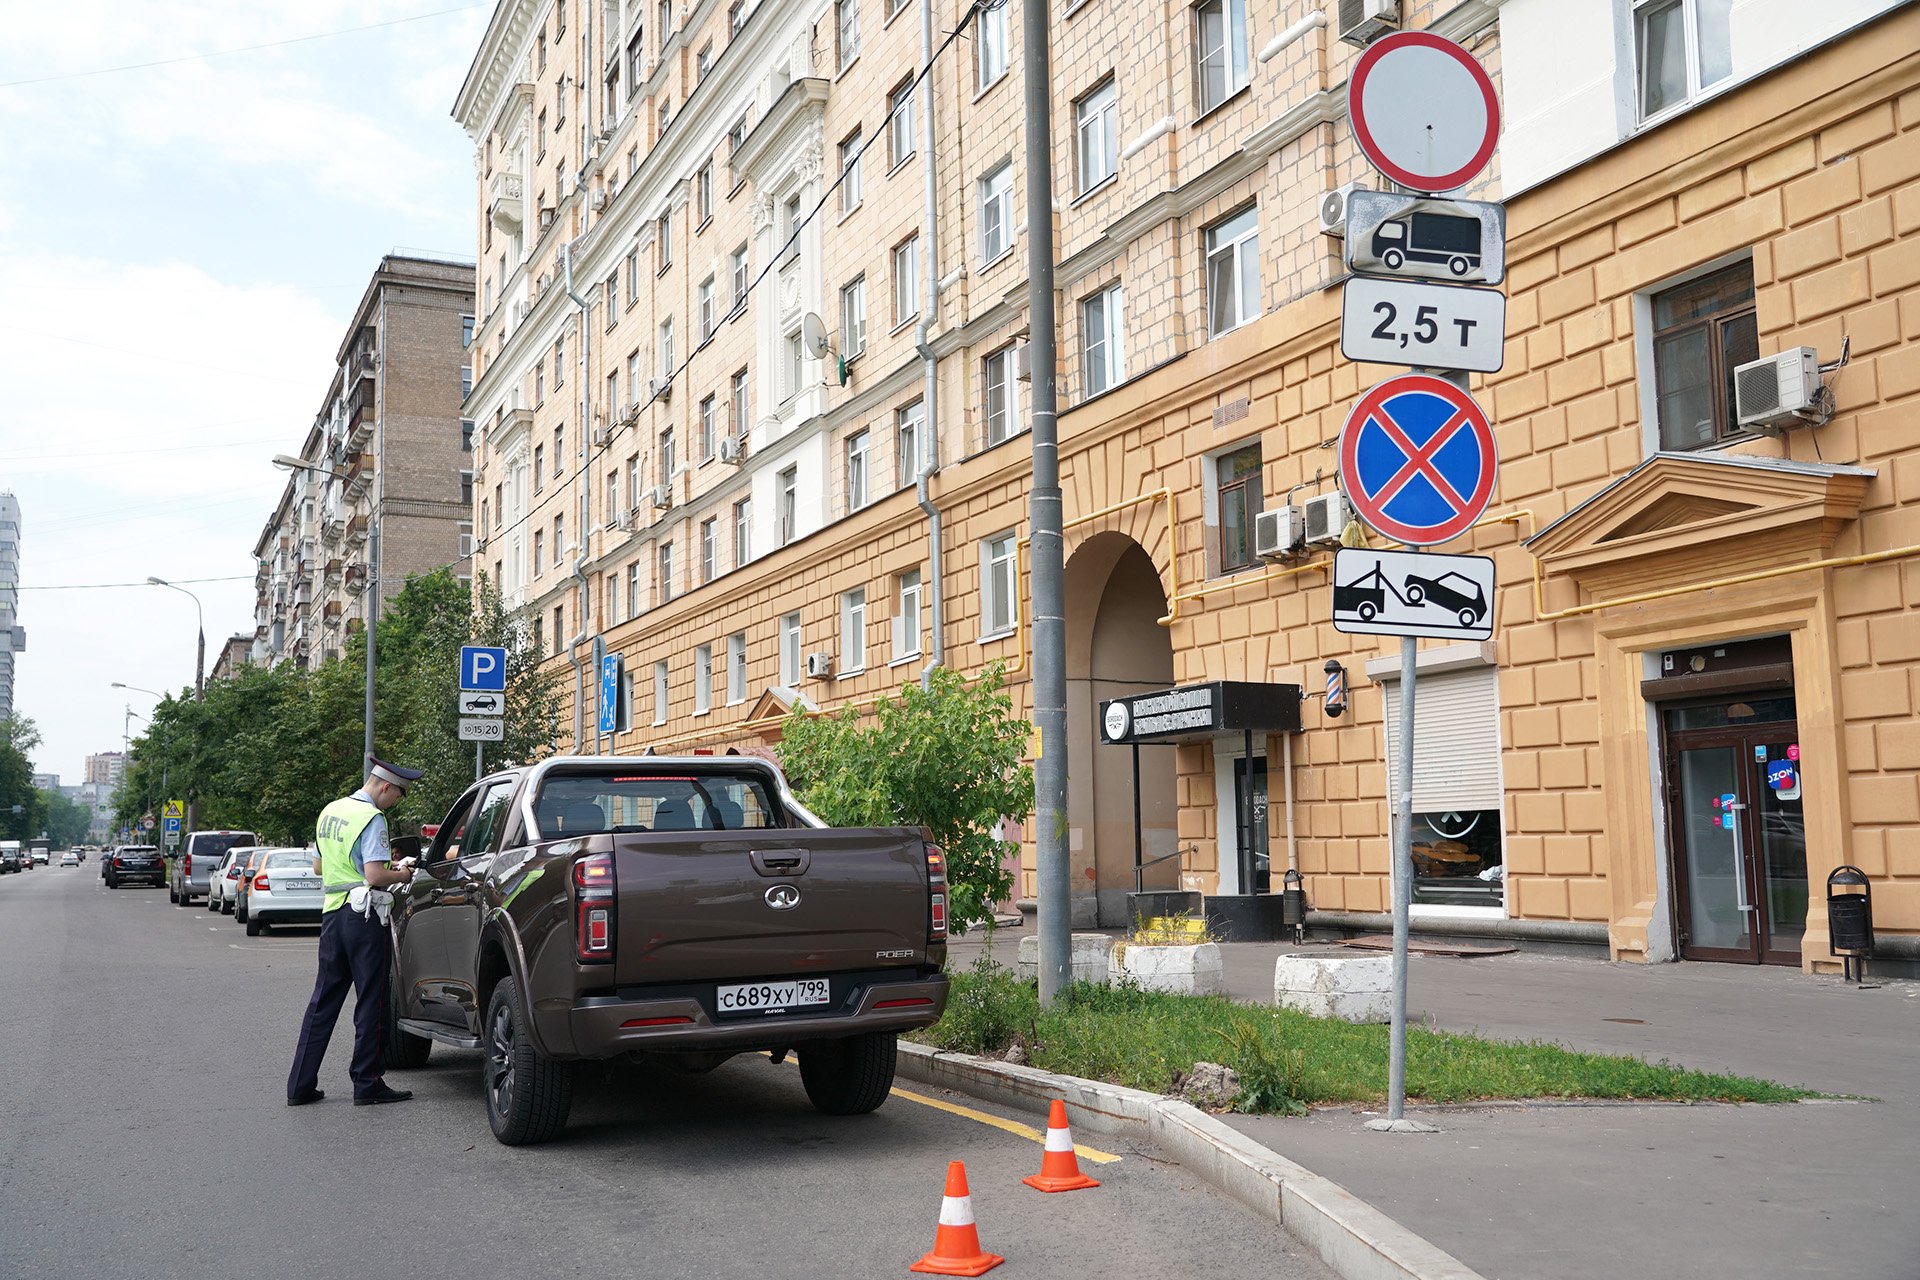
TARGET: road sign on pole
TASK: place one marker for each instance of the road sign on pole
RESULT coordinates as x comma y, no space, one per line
1417,459
471,703
483,668
174,809
1399,593
1423,111
1462,241
1435,326
485,729
611,668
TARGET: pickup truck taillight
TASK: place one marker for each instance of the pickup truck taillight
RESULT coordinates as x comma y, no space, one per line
593,909
937,894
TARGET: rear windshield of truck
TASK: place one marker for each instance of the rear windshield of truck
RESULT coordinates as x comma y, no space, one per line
574,805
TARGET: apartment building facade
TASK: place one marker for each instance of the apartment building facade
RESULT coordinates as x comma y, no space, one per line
384,486
13,636
671,460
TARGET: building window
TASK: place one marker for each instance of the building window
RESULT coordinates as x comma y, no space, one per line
1681,47
539,385
853,631
996,584
636,392
908,423
790,650
613,504
665,238
613,299
1103,360
857,470
740,281
1002,395
1220,50
559,363
1702,330
788,507
703,62
633,480
742,532
853,318
736,17
559,628
990,43
1456,785
849,25
702,679
1233,270
559,539
539,467
613,395
1237,477
633,591
906,274
666,349
661,692
736,668
466,435
850,173
666,571
669,457
709,537
706,309
794,353
906,616
540,140
1096,126
738,406
633,277
540,64
900,123
466,332
996,213
703,193
709,423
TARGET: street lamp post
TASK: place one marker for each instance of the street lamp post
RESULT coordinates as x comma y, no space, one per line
288,462
126,746
200,656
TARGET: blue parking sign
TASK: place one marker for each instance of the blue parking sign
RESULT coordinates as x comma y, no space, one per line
483,669
611,668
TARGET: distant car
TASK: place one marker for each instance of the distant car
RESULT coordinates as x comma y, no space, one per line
13,861
223,885
1455,591
131,862
284,890
69,859
40,857
189,870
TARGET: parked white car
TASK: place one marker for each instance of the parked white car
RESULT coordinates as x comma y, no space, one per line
285,890
223,883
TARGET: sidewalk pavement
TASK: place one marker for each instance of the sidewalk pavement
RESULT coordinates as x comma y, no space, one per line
1572,1191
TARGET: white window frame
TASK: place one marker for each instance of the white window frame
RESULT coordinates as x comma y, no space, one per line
787,504
742,532
709,548
1000,396
662,692
1103,362
736,668
906,618
990,46
741,266
702,679
999,611
853,317
850,189
909,429
853,631
906,280
859,473
899,124
1690,53
635,597
996,213
790,651
1096,133
707,309
1229,55
709,425
847,24
1241,248
666,348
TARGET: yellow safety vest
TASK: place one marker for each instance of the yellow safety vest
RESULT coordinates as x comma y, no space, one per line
339,829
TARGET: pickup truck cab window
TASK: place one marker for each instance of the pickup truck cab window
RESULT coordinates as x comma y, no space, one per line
447,844
489,816
573,804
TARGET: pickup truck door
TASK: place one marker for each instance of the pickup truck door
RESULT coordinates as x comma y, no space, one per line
420,952
462,901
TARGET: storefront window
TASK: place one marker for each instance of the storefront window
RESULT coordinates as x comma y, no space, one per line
1457,860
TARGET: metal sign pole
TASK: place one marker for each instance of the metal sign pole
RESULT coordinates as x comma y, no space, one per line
1402,880
479,754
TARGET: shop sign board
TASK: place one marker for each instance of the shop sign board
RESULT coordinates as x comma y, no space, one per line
1417,459
1403,593
1417,237
1196,711
1434,326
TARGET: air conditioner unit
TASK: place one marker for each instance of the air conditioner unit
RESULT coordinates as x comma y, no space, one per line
732,449
1278,533
601,435
631,416
480,542
1326,517
819,665
1363,21
660,389
1782,390
625,519
1333,210
599,201
662,496
1023,361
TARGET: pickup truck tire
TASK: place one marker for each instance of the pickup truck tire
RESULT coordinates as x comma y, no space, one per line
405,1051
849,1077
528,1093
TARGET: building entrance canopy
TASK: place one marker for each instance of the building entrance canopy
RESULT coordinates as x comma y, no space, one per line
1194,712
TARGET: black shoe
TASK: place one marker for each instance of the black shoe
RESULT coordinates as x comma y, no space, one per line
302,1099
382,1094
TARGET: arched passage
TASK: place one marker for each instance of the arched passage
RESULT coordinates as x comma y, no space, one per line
1115,647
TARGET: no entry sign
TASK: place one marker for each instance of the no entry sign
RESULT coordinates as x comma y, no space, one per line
1417,459
1423,111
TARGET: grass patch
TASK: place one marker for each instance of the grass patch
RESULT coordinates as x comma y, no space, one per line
1289,1060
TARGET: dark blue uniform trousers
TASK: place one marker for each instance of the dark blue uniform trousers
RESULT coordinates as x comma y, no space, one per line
354,952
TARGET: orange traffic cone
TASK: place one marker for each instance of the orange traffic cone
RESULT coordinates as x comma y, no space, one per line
1059,1168
956,1242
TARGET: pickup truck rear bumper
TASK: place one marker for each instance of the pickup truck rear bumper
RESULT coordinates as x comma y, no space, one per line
607,1026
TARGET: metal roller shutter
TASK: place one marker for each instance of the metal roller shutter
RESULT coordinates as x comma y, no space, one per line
1456,744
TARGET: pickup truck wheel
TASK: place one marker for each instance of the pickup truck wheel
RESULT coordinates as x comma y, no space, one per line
528,1093
405,1051
849,1077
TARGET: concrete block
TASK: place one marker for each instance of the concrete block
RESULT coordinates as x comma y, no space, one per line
1353,989
1091,957
1185,970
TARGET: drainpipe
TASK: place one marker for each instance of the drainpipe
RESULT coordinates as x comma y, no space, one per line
580,535
930,363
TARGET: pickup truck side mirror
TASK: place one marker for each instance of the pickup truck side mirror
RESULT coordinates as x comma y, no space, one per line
405,846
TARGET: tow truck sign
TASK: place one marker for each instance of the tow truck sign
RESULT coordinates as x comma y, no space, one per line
1403,593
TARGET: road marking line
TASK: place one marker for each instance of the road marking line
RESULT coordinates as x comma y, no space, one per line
1013,1127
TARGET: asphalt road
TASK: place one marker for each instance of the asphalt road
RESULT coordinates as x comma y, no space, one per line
143,1133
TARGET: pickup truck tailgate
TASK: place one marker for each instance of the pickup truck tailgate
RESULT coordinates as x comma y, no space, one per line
720,905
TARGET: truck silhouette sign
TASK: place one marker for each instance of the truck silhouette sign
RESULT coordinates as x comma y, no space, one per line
1440,238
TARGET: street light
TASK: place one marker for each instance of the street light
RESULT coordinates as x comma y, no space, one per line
287,462
200,656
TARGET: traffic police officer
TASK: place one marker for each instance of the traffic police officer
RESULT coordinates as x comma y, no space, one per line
354,863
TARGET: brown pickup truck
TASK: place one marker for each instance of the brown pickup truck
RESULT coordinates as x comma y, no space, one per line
680,909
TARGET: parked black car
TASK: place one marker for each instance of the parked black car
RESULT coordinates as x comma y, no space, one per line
131,862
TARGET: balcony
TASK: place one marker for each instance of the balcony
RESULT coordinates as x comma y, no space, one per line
357,530
359,475
333,569
356,578
331,611
507,202
360,416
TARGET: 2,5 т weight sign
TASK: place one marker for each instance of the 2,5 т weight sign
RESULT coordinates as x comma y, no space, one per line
1432,326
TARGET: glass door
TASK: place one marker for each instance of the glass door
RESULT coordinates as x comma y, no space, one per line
1738,840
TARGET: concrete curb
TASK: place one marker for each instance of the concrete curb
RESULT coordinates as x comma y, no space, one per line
1348,1234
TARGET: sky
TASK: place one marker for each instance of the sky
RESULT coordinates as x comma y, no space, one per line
182,247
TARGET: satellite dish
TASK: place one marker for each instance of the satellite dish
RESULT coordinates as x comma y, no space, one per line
813,335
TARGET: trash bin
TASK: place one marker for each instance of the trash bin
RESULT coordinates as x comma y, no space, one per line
1850,920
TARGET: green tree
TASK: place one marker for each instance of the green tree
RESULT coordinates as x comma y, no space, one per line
948,758
66,822
22,805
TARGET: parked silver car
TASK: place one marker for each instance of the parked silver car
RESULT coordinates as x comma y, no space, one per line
285,890
224,882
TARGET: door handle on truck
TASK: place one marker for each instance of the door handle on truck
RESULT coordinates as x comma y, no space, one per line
780,862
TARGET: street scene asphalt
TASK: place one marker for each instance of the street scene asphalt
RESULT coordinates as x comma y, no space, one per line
1596,1191
144,1051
